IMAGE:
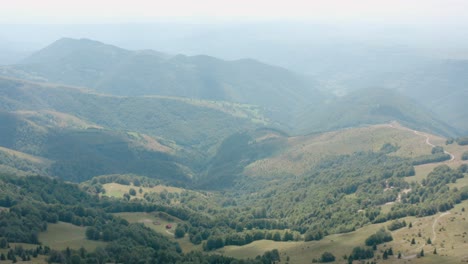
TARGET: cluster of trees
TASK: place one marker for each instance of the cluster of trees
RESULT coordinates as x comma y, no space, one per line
19,253
360,253
397,224
379,237
387,253
462,141
436,157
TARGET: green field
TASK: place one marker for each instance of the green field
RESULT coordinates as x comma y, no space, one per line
63,235
118,190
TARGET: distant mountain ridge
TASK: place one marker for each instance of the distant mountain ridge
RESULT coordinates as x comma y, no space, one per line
290,100
371,106
109,69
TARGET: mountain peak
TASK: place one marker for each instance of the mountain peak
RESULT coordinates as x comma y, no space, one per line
64,48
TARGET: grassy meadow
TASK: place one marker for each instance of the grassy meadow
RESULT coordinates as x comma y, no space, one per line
63,235
118,190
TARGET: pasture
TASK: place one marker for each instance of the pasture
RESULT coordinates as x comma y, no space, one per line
62,235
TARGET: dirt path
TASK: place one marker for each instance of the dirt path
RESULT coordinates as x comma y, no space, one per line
434,234
452,157
433,238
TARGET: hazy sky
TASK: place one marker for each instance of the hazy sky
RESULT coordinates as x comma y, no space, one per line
122,11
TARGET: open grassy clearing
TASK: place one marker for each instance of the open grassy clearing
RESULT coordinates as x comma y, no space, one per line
251,112
25,156
118,190
303,152
150,143
158,224
63,235
57,119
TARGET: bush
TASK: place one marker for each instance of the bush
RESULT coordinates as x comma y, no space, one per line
179,232
465,155
327,257
437,149
397,224
361,253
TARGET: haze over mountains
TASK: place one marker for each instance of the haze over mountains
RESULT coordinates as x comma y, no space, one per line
82,91
289,99
148,156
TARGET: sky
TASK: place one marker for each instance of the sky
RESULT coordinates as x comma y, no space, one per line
125,11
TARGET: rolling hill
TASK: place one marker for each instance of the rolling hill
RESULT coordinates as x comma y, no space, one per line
194,124
371,106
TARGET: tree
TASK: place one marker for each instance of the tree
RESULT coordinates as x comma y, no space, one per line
421,254
465,155
413,241
92,233
390,252
327,257
277,236
179,232
429,241
132,192
288,236
3,243
385,255
75,259
435,251
399,255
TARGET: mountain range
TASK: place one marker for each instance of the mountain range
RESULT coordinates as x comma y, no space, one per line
149,156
